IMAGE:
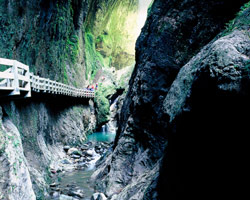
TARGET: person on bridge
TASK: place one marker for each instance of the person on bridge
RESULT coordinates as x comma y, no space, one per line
92,88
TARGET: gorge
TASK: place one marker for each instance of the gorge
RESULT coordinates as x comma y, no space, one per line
176,93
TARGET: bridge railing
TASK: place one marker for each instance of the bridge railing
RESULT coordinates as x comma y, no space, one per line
44,85
16,78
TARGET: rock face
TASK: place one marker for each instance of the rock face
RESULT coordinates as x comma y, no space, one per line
44,129
47,35
209,100
15,177
52,37
176,132
113,27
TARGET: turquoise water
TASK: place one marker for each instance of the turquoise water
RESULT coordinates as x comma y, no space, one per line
101,137
81,178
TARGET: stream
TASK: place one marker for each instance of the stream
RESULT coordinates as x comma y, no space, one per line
75,184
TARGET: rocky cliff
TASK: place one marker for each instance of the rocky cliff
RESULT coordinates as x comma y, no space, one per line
39,129
181,129
66,41
47,35
182,125
112,30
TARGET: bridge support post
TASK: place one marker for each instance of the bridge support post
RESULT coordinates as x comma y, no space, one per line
28,84
16,90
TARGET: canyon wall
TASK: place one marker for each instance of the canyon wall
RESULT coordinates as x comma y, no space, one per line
66,41
179,129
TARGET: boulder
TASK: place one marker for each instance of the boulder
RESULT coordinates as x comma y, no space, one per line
65,197
66,161
98,196
53,184
89,153
74,151
101,196
75,156
66,148
78,194
55,194
94,196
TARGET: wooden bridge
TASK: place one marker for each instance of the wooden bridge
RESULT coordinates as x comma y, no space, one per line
16,79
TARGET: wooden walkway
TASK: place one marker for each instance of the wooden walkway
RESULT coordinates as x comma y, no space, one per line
16,79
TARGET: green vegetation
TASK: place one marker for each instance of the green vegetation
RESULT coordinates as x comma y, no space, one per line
90,55
110,35
73,48
247,69
150,7
238,21
47,47
102,103
103,108
243,8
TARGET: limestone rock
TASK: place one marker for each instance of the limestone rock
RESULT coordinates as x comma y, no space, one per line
15,180
74,151
98,196
65,197
177,96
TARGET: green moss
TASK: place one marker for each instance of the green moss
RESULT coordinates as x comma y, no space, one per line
73,48
102,103
65,77
113,25
150,7
246,71
238,21
103,112
93,59
46,46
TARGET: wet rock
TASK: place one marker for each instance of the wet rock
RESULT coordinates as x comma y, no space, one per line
55,189
114,197
74,151
97,151
84,147
66,148
98,196
94,196
98,147
75,156
54,185
90,144
88,159
65,197
101,196
83,164
89,153
77,193
55,194
66,161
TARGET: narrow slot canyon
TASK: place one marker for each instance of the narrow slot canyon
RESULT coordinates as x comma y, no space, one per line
123,99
